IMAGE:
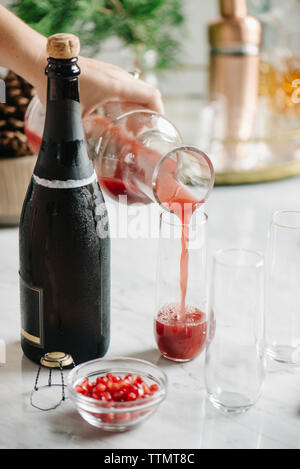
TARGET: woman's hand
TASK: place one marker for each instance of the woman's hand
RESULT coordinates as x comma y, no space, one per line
102,83
23,51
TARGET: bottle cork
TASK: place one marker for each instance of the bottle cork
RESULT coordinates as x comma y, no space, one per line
63,46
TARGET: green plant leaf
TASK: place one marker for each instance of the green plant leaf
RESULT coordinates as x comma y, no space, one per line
152,24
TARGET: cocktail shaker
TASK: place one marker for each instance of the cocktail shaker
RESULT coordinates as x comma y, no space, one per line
234,41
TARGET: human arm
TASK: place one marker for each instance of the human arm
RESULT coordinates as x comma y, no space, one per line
23,51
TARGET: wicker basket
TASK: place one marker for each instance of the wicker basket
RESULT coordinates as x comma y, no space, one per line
15,174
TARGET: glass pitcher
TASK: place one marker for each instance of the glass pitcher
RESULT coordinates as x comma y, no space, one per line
138,154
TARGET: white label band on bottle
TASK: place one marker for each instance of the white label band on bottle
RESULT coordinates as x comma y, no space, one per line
69,184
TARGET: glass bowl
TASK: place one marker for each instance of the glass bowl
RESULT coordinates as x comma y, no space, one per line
117,416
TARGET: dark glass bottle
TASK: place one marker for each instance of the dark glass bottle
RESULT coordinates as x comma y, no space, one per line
63,236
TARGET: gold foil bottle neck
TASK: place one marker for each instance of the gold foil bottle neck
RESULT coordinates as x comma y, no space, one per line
63,46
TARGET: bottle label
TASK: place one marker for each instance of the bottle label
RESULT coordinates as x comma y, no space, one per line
69,184
31,300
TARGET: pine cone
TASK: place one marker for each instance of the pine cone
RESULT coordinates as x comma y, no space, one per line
13,141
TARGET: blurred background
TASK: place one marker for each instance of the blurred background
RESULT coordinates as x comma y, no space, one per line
239,101
188,19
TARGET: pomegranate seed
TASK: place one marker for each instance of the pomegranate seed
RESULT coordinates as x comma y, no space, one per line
116,389
85,383
79,389
146,389
117,396
116,379
131,396
100,388
109,418
106,396
153,388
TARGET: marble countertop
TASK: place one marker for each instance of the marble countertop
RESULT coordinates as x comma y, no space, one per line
238,216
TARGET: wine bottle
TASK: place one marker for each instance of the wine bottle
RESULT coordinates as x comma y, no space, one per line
64,240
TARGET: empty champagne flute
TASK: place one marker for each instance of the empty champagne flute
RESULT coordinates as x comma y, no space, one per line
282,288
234,358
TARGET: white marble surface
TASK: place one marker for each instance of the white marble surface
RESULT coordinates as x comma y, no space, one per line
238,216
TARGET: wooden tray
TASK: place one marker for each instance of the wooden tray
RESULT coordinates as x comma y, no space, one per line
15,174
267,174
